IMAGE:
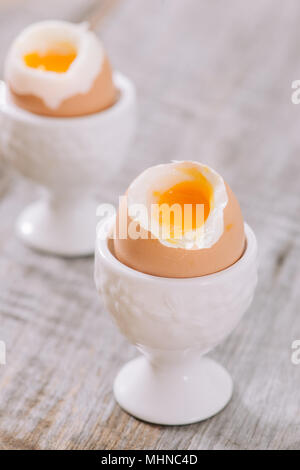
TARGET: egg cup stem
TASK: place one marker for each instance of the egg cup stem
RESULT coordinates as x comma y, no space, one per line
173,388
60,224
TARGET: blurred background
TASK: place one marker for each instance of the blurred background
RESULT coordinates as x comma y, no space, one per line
214,84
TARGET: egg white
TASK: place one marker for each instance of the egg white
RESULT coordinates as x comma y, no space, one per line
161,178
53,88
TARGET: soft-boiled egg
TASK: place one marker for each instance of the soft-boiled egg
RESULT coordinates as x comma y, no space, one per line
179,220
59,69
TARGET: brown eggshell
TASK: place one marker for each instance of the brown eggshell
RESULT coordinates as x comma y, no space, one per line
151,257
102,95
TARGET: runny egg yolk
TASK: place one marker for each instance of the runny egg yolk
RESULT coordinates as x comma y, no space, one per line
195,191
57,59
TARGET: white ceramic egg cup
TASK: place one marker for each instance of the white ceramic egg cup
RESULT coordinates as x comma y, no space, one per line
174,322
70,158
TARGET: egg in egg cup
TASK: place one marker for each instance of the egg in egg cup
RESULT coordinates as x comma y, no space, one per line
175,320
66,124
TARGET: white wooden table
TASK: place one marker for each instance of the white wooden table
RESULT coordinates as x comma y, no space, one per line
214,84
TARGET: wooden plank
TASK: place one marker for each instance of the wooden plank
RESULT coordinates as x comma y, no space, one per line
214,84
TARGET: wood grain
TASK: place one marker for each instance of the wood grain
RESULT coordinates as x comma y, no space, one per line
214,83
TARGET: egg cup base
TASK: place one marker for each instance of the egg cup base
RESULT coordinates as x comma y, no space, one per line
167,397
63,229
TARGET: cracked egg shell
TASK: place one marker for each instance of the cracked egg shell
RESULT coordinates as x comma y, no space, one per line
59,69
222,239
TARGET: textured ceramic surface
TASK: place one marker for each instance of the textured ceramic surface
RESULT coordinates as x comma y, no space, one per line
175,321
67,156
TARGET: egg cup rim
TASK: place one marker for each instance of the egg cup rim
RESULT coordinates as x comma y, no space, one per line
126,94
249,254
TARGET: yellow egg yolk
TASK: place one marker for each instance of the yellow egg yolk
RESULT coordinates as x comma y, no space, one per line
197,191
56,60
